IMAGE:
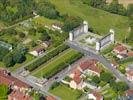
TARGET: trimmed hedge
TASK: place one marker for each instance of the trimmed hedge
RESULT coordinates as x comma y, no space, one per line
61,66
46,58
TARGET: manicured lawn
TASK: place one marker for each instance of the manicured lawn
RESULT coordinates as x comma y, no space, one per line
55,63
66,93
100,20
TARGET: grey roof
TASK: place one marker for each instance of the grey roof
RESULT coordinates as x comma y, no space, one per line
5,45
130,66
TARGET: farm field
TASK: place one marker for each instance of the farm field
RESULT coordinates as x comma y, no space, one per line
49,68
100,20
65,93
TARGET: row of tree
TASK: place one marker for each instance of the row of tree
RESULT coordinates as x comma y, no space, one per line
113,7
14,10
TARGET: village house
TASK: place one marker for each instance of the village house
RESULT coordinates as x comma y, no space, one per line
94,95
90,67
14,83
87,66
18,95
121,51
50,98
129,72
37,52
128,93
76,82
130,54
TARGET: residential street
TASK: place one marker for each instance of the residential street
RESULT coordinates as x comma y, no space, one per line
100,58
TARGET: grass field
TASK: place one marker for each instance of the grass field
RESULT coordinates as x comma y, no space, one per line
100,20
52,65
65,93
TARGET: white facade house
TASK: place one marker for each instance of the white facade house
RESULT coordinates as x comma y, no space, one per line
106,40
82,29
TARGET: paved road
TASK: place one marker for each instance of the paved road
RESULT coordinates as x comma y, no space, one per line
35,86
100,58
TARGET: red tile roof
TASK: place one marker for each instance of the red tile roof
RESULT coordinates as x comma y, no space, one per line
17,95
50,98
128,93
6,78
120,48
91,65
76,72
77,79
130,53
97,95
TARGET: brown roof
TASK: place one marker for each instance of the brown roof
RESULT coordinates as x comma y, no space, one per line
90,64
130,53
120,48
17,95
128,93
130,73
50,98
38,50
76,72
77,79
97,95
6,78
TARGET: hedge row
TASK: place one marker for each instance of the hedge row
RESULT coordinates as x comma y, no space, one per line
128,59
62,65
46,58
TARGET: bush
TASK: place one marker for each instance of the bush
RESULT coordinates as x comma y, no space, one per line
54,85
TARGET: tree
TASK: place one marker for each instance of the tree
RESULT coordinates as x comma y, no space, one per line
46,9
71,22
119,86
44,36
96,79
8,60
130,9
131,28
106,77
95,3
18,57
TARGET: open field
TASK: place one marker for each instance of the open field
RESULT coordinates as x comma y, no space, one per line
55,63
124,2
65,93
100,20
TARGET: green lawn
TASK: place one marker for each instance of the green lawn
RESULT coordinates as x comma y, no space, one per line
52,65
66,93
3,92
44,21
100,20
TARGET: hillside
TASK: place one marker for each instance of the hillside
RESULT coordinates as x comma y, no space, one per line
100,20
